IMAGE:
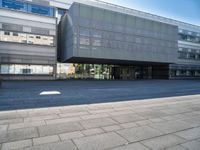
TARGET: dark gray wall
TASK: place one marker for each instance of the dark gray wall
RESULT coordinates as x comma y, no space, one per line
102,34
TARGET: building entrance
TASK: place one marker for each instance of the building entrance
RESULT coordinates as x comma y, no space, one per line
131,72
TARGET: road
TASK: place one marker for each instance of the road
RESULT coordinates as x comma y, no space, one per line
26,94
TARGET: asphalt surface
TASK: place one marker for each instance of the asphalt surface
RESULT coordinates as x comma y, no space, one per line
26,94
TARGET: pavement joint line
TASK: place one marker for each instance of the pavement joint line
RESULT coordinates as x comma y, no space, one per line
121,137
145,146
74,144
59,137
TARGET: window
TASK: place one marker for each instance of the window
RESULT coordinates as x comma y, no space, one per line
15,34
189,38
84,31
26,69
41,10
61,11
26,38
37,37
84,40
6,33
96,42
13,4
27,7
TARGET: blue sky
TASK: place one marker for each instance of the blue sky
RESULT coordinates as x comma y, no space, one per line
183,10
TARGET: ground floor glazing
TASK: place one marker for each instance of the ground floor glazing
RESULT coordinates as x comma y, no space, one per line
109,72
99,71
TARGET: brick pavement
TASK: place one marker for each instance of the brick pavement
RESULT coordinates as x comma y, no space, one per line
160,124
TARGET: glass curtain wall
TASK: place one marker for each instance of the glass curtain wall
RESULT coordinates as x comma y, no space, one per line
103,71
18,69
83,71
27,7
18,37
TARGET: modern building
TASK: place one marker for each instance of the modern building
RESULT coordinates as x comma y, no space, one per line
88,39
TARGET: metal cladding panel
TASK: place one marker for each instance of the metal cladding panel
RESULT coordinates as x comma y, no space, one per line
26,54
93,32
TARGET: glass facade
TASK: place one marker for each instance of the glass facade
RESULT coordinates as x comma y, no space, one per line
190,54
61,11
189,38
83,71
184,71
17,37
103,71
27,7
18,69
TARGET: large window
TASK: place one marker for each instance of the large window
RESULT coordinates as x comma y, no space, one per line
12,4
61,11
26,38
27,7
83,71
189,38
26,69
188,55
41,10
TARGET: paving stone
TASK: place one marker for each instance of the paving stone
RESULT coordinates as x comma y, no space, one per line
101,111
152,114
59,128
94,116
3,128
18,134
194,122
112,128
65,145
143,122
162,142
169,118
129,125
189,134
170,126
71,135
156,120
74,114
95,123
40,118
45,139
92,131
7,121
139,133
121,112
26,125
13,115
63,120
192,145
134,146
127,118
16,145
100,142
176,148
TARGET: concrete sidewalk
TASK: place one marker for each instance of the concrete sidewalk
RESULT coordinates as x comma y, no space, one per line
163,123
